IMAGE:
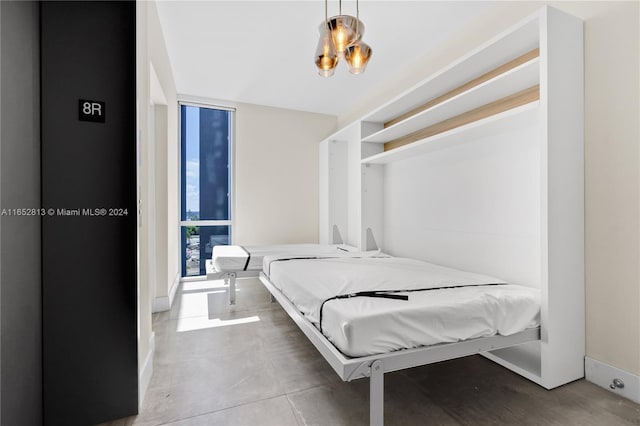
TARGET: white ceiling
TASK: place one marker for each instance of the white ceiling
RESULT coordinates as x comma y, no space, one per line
262,52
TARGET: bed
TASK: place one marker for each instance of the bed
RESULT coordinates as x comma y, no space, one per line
229,262
368,313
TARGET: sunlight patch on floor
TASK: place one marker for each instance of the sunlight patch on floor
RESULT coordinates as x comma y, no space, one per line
194,297
200,323
203,285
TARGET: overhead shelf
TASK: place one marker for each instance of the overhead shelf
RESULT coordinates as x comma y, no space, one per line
520,78
516,118
492,54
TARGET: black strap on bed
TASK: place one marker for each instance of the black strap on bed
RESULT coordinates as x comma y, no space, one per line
389,294
303,257
246,264
285,259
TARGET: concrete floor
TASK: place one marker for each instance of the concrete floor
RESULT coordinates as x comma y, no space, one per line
250,365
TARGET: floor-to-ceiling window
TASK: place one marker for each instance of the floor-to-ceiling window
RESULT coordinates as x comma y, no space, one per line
206,168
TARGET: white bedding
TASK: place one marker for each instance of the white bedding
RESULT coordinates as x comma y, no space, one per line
234,258
361,326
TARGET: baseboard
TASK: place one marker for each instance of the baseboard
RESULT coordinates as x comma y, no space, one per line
603,374
174,289
147,371
161,304
164,303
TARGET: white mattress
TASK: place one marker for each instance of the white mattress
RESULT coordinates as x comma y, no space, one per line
361,326
234,258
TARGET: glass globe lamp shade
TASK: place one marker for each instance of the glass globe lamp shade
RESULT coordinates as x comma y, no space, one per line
357,56
345,30
326,56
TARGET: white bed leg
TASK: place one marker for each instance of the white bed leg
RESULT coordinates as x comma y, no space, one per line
232,288
376,394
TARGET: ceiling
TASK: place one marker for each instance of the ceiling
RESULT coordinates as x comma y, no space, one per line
262,52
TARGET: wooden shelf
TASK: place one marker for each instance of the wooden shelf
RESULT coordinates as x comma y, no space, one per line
516,118
514,63
494,108
503,85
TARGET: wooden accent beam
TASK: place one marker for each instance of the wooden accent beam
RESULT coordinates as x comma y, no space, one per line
468,85
512,101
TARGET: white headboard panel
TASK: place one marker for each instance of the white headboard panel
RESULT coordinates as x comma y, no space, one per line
475,206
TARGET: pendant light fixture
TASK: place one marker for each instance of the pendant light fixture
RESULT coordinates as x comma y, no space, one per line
358,53
340,37
326,56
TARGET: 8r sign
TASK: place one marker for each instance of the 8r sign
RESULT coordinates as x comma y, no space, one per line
91,111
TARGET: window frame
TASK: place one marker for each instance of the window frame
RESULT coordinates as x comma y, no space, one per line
232,176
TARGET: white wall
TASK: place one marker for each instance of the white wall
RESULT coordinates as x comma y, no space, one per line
156,164
612,159
166,163
164,196
160,201
143,100
277,174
